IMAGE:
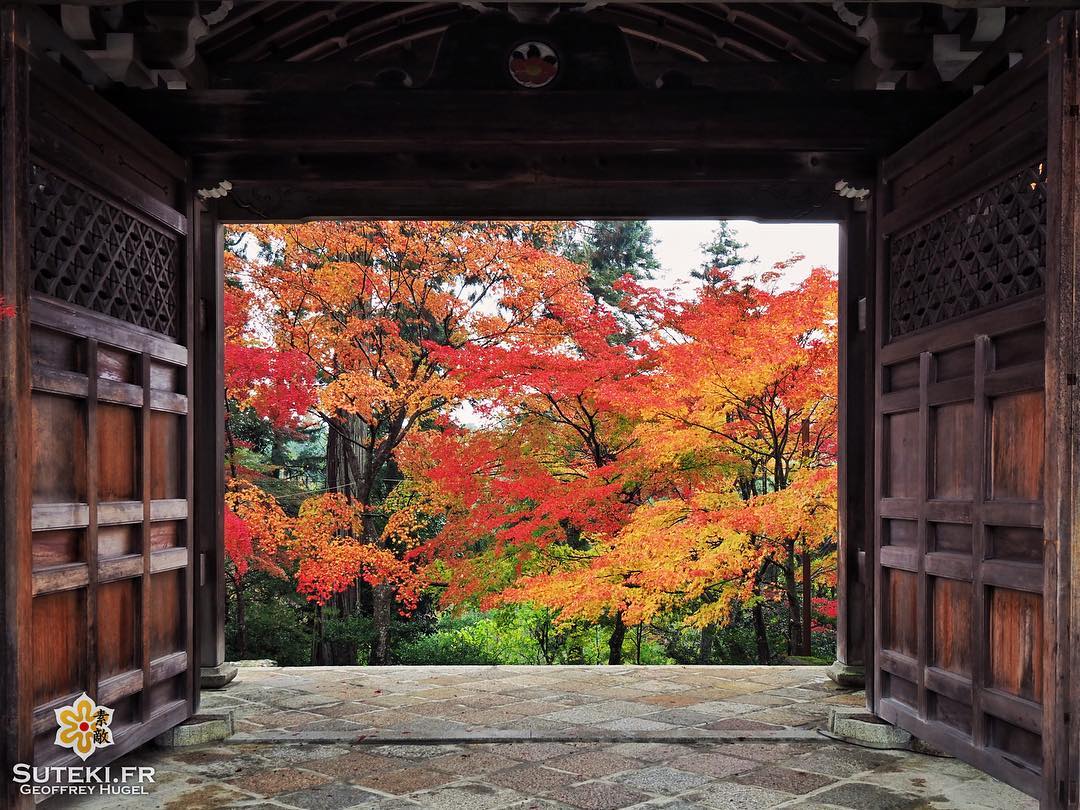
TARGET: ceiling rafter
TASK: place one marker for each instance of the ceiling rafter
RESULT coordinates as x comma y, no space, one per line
180,43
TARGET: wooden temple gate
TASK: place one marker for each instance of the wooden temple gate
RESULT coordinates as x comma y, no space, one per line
104,215
960,426
959,345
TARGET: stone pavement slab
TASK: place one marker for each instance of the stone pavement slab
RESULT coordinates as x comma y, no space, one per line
588,741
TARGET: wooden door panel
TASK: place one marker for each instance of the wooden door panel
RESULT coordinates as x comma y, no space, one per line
111,521
961,648
1016,446
950,637
953,468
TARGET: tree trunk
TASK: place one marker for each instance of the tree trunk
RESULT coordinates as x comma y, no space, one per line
791,588
343,650
806,602
705,648
618,635
382,613
320,650
345,442
241,620
349,473
762,635
760,631
575,651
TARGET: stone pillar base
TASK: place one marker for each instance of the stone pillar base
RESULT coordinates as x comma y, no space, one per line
198,730
216,677
847,674
862,728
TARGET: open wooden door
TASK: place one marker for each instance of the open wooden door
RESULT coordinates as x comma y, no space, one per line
967,538
1060,745
110,542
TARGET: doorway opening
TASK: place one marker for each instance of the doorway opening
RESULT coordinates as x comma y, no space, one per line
531,442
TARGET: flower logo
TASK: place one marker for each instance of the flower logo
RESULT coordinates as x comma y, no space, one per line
533,64
83,726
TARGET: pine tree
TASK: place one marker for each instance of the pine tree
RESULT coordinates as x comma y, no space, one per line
722,253
612,249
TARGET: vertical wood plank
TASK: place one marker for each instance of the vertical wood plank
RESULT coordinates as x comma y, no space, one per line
1061,607
867,561
145,478
15,413
844,465
924,611
91,539
881,329
980,609
851,466
209,415
187,484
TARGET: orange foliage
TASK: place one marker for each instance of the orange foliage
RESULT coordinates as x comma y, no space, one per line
255,529
352,322
548,456
635,477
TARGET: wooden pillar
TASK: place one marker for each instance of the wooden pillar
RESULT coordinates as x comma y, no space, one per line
854,441
209,411
1061,603
15,413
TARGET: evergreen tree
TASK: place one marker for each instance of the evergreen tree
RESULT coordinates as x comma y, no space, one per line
722,252
612,249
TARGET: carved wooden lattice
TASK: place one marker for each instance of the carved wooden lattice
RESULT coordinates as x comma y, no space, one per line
988,249
90,252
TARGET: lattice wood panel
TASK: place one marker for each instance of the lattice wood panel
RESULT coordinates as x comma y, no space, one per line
89,251
111,537
987,250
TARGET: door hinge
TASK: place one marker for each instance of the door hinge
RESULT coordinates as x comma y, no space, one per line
202,569
862,314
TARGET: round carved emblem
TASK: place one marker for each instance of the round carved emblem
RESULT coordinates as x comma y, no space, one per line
534,64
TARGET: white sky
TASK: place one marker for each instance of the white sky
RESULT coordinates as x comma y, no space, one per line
679,248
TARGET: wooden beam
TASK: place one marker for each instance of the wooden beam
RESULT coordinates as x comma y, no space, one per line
740,77
202,122
856,259
1061,605
16,684
504,168
1025,35
208,421
779,201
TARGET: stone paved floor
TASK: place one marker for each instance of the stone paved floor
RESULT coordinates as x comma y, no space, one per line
567,738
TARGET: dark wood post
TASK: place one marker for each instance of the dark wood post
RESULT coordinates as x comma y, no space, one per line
1061,607
15,414
209,414
854,443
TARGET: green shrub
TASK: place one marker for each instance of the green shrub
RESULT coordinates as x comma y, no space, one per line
475,637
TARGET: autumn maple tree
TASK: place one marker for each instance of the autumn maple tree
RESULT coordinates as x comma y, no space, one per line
746,405
546,479
352,315
512,417
691,465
